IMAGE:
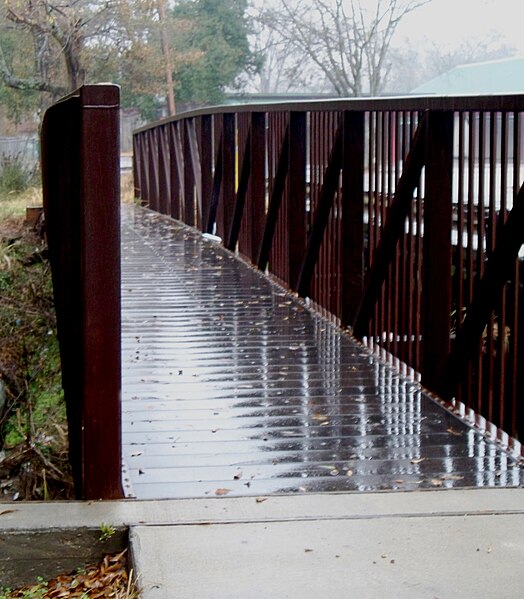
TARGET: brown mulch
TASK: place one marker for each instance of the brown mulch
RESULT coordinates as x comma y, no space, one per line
108,579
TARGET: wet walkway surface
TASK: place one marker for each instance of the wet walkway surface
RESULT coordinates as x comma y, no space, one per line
232,387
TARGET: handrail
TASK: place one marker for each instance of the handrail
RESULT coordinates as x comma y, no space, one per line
80,176
420,103
383,212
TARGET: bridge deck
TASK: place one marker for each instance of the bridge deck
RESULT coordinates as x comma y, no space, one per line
232,387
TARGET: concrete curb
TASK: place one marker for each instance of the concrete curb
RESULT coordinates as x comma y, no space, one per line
171,538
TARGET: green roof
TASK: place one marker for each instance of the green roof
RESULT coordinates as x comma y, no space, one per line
494,77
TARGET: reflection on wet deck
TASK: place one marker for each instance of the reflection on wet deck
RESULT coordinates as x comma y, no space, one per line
231,387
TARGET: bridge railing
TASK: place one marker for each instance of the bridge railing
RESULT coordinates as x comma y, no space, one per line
80,175
402,219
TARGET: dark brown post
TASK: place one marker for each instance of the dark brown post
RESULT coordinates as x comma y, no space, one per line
196,168
143,170
228,174
164,171
296,224
153,194
206,161
352,216
80,173
189,179
177,172
137,158
257,182
437,251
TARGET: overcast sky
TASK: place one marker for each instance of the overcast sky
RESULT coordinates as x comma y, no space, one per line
448,22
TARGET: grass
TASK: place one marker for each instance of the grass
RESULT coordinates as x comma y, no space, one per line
13,203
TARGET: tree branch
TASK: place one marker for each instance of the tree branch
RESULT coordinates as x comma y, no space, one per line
29,84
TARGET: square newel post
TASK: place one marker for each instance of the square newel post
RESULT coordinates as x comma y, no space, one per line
296,197
100,270
437,250
81,190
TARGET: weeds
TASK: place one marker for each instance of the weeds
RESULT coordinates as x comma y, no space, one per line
15,174
106,532
33,430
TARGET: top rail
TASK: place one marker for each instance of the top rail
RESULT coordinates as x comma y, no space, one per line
400,218
80,175
419,103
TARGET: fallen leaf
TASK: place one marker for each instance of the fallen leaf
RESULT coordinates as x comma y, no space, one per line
7,512
454,431
349,472
308,550
237,476
451,477
220,492
436,482
135,454
490,548
417,460
261,499
320,417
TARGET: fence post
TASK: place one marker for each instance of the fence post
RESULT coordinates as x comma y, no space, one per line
206,161
81,185
352,216
296,196
437,250
257,186
228,174
164,188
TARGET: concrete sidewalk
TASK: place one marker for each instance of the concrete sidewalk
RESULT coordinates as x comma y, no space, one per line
445,544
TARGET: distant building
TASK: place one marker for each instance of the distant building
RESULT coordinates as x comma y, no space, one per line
505,76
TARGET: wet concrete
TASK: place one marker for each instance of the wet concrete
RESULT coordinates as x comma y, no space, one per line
232,387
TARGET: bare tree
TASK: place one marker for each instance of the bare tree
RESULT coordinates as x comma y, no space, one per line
347,42
61,32
284,69
414,66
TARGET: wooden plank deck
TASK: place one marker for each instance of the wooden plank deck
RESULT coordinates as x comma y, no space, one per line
232,387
